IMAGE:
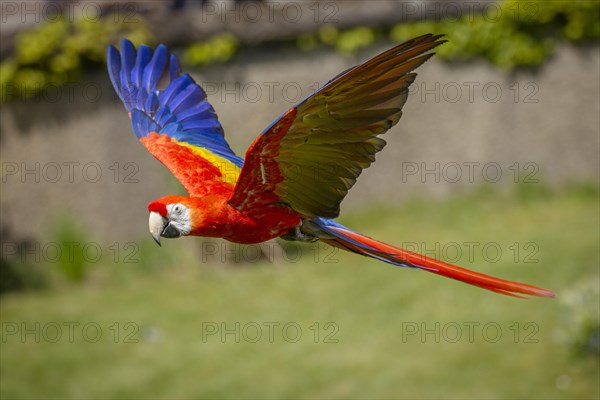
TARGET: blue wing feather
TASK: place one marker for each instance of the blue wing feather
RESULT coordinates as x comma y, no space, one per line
152,103
171,129
144,56
174,67
127,64
186,98
175,87
113,60
180,111
163,114
155,69
193,111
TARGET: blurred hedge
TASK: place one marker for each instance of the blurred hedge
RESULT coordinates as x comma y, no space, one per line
521,34
517,34
56,53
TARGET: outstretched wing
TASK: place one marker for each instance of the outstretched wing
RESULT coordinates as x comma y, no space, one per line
177,124
312,155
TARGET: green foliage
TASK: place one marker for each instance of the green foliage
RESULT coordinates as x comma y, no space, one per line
347,42
520,34
351,40
307,41
18,269
329,34
55,53
219,48
513,34
17,276
581,316
69,239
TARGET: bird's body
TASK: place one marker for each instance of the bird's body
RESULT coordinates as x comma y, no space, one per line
213,216
296,173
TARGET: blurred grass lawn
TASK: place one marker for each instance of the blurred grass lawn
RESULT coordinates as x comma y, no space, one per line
373,307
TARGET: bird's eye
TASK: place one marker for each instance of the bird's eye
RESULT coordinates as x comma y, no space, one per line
177,209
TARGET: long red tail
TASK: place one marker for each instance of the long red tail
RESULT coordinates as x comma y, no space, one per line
347,239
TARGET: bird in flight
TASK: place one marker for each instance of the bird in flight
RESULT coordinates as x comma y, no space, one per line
297,171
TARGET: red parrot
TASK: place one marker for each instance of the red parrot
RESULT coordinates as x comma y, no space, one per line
295,174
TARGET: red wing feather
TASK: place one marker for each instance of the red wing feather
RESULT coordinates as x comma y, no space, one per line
197,174
312,155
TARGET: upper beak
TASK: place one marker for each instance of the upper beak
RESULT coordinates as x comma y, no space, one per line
157,224
161,226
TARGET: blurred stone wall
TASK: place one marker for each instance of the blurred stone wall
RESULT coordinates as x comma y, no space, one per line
72,152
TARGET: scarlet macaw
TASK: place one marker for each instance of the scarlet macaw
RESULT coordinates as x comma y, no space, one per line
296,172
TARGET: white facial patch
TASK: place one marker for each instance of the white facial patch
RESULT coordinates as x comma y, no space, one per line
179,215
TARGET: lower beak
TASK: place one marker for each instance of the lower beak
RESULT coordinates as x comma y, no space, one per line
161,226
157,224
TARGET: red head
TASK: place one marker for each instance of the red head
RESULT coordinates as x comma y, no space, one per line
170,217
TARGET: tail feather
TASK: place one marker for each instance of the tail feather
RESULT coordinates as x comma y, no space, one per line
342,237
